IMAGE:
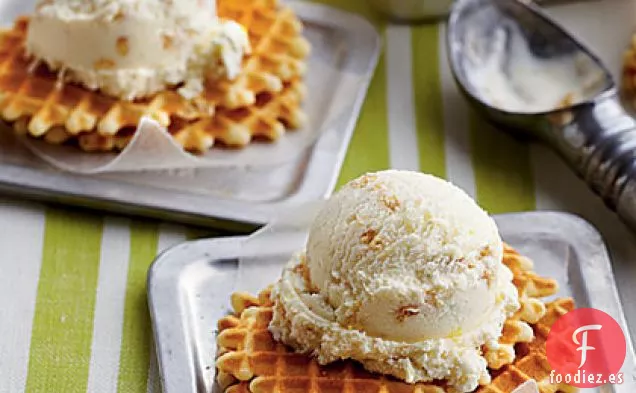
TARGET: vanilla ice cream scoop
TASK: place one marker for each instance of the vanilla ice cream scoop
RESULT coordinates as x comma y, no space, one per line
402,272
405,256
134,48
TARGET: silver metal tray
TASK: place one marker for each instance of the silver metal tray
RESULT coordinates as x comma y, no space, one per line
189,288
223,197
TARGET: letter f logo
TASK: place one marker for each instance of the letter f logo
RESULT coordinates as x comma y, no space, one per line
599,354
583,346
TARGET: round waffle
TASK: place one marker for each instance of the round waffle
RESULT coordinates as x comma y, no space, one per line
251,361
262,102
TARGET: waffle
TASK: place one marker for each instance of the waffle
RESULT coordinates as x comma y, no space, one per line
267,119
259,103
531,360
250,361
278,50
629,73
532,288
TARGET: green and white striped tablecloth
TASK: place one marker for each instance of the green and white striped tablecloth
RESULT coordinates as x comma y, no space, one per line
72,283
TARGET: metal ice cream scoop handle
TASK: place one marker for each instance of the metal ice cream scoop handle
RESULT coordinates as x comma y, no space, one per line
593,134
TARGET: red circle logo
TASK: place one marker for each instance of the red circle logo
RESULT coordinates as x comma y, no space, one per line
586,348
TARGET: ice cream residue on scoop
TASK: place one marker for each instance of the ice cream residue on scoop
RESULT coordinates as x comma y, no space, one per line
131,49
514,79
402,272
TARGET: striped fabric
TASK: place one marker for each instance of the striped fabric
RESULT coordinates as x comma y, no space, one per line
74,316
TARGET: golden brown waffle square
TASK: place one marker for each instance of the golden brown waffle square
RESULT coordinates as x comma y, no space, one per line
260,102
267,119
532,288
629,73
251,361
278,49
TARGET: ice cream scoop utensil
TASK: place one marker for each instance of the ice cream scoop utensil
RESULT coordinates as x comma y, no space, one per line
559,92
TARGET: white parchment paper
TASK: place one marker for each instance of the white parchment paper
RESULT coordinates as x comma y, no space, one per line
263,257
527,387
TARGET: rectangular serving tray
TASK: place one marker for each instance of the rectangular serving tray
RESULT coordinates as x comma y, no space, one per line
226,197
189,288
